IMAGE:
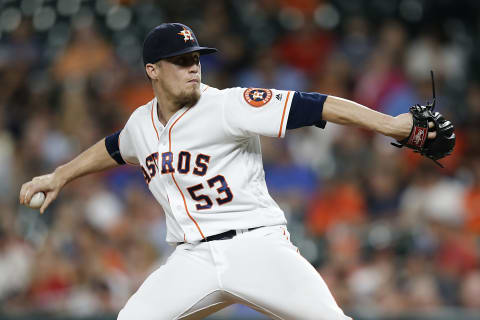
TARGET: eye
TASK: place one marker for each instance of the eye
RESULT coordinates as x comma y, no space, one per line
186,61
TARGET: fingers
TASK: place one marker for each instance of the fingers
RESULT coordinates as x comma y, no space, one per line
37,184
49,198
26,192
26,195
431,134
22,194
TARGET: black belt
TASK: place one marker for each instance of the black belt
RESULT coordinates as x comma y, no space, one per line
222,236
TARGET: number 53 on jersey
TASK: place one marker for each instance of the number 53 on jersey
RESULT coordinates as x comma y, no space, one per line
200,168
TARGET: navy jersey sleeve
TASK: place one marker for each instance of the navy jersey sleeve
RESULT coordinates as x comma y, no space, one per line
306,110
111,143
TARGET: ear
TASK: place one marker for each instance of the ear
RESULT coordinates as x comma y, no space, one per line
151,70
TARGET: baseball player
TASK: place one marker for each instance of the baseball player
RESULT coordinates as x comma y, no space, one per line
199,150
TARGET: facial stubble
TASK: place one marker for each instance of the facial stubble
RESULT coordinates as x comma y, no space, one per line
187,99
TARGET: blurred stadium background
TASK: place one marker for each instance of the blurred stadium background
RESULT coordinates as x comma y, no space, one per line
393,235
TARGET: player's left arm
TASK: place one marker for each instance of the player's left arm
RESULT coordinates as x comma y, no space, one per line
346,112
272,111
421,129
315,109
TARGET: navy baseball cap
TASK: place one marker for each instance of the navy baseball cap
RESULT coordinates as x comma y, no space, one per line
171,39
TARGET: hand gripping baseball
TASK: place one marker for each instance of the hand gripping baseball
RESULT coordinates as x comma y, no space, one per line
444,141
48,184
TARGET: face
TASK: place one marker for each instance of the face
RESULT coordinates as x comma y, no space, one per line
178,78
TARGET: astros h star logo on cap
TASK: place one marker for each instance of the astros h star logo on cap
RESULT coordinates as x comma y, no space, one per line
187,35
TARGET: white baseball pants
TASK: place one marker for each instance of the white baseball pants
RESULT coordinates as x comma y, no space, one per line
260,268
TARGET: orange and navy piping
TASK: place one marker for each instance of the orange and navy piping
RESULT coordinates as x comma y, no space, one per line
283,115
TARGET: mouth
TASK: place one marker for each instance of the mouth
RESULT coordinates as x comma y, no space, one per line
194,81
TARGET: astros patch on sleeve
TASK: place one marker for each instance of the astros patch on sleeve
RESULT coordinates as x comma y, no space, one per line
252,111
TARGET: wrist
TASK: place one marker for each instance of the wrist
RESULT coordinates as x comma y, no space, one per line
401,126
61,176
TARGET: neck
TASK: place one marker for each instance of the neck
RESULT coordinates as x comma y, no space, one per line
166,108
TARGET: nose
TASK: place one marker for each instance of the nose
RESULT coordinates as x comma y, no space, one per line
194,68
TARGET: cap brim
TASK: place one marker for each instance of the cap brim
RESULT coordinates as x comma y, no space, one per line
201,50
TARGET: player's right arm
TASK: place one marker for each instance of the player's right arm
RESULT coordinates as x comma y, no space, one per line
110,152
94,159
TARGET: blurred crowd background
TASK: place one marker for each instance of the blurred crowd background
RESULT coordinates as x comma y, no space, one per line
391,233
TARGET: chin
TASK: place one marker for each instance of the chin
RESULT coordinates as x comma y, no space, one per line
196,87
189,98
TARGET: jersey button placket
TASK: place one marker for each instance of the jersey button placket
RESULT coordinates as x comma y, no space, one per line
172,192
178,210
176,200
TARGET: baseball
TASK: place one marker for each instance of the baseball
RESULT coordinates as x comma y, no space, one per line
37,200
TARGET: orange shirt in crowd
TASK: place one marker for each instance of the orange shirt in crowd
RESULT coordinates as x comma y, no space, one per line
472,208
342,203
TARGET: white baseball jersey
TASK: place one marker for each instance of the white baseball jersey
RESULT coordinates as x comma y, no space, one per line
205,165
205,168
